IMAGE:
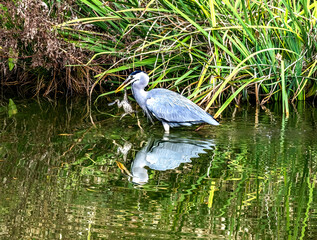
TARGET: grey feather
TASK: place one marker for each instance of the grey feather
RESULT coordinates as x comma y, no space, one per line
175,109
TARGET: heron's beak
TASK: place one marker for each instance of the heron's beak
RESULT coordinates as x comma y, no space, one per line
125,84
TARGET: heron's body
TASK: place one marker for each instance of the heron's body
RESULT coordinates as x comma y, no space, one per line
169,107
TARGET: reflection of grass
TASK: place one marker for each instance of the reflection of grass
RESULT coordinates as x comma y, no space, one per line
256,182
311,186
287,189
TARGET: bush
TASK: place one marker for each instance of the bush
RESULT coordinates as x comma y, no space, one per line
33,54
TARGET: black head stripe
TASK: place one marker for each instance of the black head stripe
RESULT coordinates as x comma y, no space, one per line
135,72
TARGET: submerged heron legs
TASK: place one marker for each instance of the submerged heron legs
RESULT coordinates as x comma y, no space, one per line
166,127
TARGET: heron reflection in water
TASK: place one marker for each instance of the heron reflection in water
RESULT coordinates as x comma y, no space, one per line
171,108
165,154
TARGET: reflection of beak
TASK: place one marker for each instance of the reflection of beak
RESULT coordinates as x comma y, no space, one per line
124,170
125,84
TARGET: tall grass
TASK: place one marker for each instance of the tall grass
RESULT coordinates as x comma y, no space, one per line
214,51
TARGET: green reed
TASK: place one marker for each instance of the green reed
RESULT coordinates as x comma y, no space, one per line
215,51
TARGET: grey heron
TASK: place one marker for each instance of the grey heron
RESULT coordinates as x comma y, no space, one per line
169,107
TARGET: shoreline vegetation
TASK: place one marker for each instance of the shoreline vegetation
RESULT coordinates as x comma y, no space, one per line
214,52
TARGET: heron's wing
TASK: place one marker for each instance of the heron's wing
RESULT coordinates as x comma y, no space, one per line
173,107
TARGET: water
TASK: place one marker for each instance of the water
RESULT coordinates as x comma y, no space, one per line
252,177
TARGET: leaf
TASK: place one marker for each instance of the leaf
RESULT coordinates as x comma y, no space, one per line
11,63
12,108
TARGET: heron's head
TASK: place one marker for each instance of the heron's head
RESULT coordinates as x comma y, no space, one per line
138,77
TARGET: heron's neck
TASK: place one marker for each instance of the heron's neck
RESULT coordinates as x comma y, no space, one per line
140,95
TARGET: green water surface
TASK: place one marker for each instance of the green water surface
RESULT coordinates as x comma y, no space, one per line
252,177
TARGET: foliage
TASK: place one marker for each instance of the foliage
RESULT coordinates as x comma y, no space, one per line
215,51
32,54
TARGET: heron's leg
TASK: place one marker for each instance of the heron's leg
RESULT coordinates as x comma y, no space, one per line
166,127
166,136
